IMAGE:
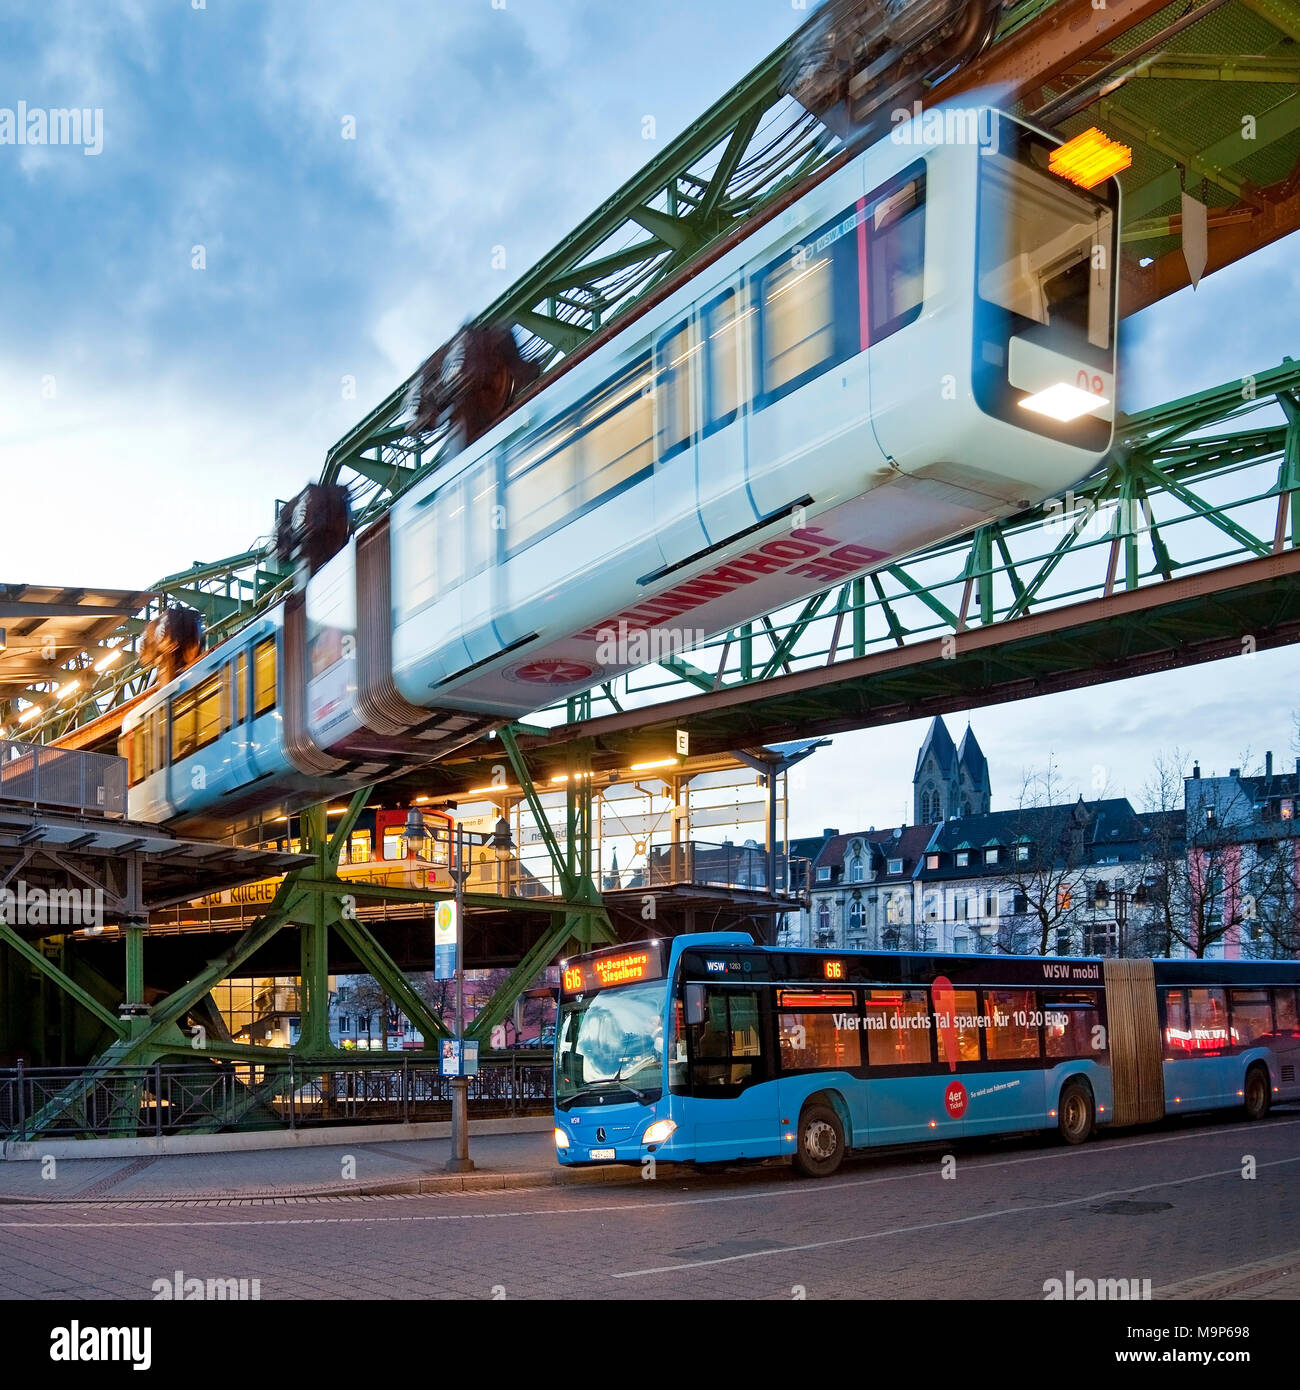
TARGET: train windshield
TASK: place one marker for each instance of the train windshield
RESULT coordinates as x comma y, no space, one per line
610,1046
1045,250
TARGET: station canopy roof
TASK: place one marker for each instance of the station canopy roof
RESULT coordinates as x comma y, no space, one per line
45,626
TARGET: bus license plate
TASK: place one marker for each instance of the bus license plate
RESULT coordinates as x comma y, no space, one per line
602,1153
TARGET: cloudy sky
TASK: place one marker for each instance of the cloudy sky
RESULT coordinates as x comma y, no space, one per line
194,315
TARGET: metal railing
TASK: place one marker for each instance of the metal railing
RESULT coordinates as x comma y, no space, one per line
62,779
702,864
285,1092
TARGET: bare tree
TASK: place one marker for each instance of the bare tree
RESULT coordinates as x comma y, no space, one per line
1046,868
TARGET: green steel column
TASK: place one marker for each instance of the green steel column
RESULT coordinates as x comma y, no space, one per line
314,1033
859,617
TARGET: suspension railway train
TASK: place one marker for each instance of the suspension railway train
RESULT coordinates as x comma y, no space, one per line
920,342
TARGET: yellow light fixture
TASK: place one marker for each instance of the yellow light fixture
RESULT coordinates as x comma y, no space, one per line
474,791
658,762
30,713
109,657
67,688
1089,158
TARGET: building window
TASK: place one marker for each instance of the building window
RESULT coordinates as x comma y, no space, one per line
990,856
856,871
931,861
823,915
963,858
895,866
1287,809
1020,904
824,874
1064,898
857,915
1022,854
991,905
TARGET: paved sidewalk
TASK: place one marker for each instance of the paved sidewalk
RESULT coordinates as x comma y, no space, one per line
373,1168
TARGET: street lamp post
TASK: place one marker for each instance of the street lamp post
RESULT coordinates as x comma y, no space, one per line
501,844
460,1161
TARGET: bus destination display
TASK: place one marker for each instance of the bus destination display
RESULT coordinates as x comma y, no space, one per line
621,968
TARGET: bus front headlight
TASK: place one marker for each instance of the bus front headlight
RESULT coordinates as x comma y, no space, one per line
658,1132
561,1138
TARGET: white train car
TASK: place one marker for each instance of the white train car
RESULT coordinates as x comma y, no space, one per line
922,342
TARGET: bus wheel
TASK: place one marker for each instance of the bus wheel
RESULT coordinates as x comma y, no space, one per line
1258,1099
820,1149
1074,1114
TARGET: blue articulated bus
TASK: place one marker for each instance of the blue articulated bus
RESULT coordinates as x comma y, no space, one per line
709,1049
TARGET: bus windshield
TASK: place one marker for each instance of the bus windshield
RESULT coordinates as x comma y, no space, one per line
611,1043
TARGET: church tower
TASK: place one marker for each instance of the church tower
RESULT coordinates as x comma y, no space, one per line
949,781
973,776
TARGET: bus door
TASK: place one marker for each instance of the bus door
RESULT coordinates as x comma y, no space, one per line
1011,1094
732,1113
906,1095
1198,1069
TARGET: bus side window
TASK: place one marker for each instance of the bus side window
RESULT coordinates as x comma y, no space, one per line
965,1019
896,258
1072,1019
1207,1016
1252,1016
1011,1030
1178,1037
726,1044
264,676
1284,1005
674,359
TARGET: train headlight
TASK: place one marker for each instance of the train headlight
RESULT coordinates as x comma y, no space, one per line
561,1138
1063,402
658,1132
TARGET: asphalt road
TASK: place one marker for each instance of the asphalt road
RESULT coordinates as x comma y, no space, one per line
1172,1205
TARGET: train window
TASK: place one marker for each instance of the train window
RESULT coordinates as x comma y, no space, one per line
897,258
449,535
182,726
207,712
158,739
482,517
134,757
227,681
241,688
359,847
798,320
1036,240
617,424
674,359
540,482
723,320
264,676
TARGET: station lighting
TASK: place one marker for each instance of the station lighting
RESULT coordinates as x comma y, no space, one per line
658,762
1089,158
473,791
1063,402
30,713
111,655
67,688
